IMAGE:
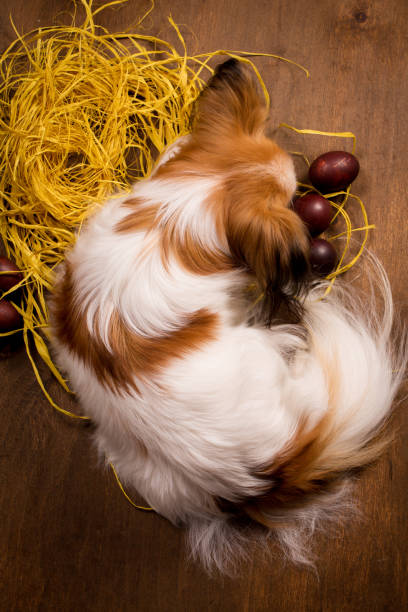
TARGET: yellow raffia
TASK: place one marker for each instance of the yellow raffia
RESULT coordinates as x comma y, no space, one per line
320,133
121,487
83,114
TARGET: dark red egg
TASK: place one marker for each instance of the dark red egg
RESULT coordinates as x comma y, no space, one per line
315,211
7,281
322,256
9,317
333,171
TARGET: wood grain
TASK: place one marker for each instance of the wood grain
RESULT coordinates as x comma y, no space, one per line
69,540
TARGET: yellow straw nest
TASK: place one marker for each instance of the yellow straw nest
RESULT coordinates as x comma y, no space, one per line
83,113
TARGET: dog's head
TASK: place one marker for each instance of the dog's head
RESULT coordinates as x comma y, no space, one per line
256,181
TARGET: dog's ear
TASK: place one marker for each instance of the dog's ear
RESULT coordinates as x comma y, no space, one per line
269,239
230,105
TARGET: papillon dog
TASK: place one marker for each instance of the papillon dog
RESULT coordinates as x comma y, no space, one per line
236,417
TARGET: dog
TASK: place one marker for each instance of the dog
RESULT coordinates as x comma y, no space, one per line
237,420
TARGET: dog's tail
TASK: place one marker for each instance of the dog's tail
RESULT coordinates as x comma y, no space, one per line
363,358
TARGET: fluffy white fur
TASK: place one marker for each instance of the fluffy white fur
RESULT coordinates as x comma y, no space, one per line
201,428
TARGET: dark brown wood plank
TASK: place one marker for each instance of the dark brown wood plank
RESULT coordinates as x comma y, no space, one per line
68,538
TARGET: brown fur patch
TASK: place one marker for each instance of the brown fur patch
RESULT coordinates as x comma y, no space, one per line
269,240
140,217
130,354
260,228
226,154
191,254
312,463
305,472
230,103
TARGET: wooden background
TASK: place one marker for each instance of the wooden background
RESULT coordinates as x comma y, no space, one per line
68,538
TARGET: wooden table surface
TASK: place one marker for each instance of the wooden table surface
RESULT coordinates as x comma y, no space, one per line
68,539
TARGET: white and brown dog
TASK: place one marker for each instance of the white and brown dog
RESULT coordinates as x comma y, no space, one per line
219,415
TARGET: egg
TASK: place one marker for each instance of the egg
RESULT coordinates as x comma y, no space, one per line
7,281
333,171
10,319
322,256
315,211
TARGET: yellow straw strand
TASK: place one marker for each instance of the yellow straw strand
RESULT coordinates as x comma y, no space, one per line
320,133
146,508
354,229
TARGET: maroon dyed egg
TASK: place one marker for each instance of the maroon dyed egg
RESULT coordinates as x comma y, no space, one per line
9,317
315,211
322,256
333,171
7,281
